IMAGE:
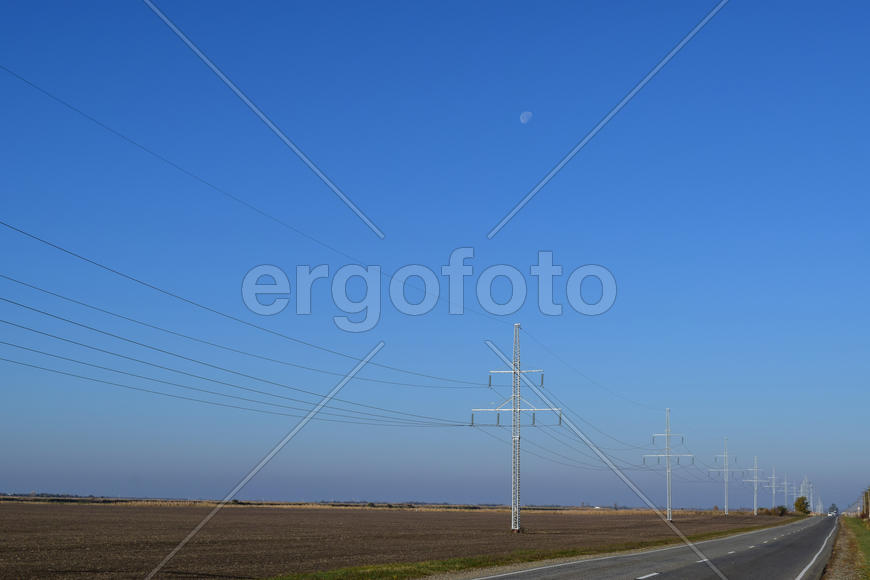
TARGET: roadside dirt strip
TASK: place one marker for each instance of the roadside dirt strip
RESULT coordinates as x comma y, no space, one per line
845,561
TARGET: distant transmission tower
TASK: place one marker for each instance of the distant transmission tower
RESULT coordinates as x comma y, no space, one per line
772,487
516,406
726,471
790,492
667,454
754,481
785,490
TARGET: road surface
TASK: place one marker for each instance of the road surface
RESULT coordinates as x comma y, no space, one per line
796,551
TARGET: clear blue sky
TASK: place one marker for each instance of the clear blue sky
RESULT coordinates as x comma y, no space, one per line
728,199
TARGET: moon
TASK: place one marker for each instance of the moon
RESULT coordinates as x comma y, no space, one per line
525,117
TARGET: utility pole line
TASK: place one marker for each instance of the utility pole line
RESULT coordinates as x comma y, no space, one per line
516,408
726,471
667,454
754,481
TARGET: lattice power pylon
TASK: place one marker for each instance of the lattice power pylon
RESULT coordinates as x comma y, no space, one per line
785,490
668,454
772,487
516,408
726,471
754,481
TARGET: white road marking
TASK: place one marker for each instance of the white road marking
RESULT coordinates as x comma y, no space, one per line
819,553
731,552
648,576
618,556
750,547
704,560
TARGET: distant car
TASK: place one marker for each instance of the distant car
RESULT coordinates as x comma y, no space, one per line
831,514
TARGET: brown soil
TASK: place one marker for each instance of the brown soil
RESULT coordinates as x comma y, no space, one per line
52,540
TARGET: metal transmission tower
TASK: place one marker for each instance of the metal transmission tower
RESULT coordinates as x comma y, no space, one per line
667,454
785,490
516,407
790,491
726,471
754,481
812,506
772,487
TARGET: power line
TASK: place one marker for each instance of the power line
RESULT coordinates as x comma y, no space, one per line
209,184
176,166
572,464
560,436
215,403
193,375
585,465
567,410
192,388
700,477
221,346
587,377
224,314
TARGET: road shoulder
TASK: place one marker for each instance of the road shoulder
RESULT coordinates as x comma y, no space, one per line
844,563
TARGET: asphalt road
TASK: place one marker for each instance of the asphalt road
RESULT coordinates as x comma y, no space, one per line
796,551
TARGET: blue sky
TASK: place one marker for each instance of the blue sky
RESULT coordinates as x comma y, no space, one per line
728,199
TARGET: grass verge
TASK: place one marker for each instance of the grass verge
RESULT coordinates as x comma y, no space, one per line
861,529
407,570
